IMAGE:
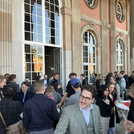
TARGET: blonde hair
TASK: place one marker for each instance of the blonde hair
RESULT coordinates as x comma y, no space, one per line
38,85
49,89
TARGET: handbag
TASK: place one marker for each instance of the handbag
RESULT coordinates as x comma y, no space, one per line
16,128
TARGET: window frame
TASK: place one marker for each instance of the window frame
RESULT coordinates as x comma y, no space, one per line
119,53
122,11
92,6
43,43
92,46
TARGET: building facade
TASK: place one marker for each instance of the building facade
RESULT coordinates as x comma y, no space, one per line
46,36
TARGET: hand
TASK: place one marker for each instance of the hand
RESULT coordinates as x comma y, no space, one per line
59,86
116,102
58,105
107,101
129,126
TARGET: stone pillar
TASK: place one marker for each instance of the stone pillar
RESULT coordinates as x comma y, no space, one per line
132,34
104,47
128,71
17,39
5,36
76,38
67,49
112,37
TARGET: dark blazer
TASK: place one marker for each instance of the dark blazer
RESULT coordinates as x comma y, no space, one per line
19,96
10,110
84,82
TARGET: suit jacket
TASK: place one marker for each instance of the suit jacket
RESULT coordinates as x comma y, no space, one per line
19,96
57,97
73,119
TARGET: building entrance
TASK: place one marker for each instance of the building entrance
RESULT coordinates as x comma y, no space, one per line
52,60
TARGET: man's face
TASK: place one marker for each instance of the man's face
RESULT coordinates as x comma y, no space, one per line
120,75
112,80
3,83
27,79
56,77
86,99
45,77
24,88
82,78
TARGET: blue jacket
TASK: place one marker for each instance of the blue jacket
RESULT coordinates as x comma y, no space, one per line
39,112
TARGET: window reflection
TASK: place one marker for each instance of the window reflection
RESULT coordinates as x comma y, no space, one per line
89,53
52,21
119,55
33,18
33,60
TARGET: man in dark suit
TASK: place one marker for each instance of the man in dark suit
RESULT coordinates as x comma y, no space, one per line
24,94
84,81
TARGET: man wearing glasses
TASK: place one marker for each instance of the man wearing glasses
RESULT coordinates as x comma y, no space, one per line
83,117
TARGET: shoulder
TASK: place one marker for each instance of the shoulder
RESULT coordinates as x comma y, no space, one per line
56,93
71,108
95,107
30,93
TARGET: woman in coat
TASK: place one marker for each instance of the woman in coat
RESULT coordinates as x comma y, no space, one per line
114,118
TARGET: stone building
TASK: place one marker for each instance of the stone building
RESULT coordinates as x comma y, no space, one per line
47,36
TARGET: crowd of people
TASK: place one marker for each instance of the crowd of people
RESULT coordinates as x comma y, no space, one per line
84,107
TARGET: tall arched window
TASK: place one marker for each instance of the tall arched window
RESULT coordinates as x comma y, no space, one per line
89,54
119,54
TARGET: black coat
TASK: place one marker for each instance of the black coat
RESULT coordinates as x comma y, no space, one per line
111,123
69,90
84,82
131,111
10,110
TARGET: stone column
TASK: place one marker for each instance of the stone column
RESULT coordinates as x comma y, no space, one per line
104,48
5,36
76,38
67,50
128,71
132,34
112,37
